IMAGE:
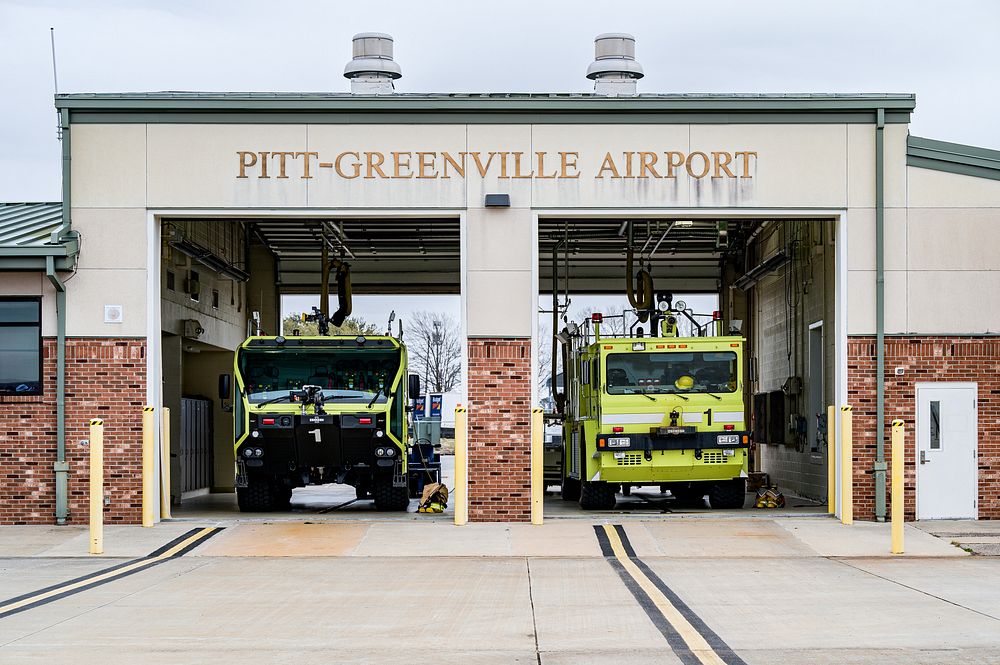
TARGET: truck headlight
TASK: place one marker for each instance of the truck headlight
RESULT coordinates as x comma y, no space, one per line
389,452
380,452
379,434
248,452
258,452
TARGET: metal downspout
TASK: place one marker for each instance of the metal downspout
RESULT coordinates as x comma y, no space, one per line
61,467
880,466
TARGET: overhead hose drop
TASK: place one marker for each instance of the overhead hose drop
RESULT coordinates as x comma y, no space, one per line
343,294
640,291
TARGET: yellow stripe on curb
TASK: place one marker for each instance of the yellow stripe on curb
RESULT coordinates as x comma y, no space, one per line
695,642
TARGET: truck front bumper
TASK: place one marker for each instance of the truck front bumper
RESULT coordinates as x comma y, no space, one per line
679,438
667,466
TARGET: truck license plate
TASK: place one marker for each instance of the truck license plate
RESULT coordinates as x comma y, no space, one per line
618,442
728,439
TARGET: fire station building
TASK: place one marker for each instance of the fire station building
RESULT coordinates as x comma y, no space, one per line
857,260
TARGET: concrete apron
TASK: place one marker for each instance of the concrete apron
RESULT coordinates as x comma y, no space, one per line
673,537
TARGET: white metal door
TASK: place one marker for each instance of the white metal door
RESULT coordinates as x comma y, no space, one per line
947,436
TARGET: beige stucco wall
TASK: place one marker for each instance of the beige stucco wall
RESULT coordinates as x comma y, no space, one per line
161,166
108,201
860,228
195,166
942,274
120,171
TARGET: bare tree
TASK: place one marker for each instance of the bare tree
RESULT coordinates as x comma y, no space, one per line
294,325
543,370
435,349
613,323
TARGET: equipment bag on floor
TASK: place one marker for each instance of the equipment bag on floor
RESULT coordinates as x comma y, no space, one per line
769,498
434,499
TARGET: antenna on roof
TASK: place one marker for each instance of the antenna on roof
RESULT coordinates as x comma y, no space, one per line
55,78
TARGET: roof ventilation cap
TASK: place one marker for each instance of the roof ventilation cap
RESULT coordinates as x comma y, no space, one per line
614,69
372,69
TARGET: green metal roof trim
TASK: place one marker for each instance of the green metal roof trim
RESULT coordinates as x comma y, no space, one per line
525,107
953,158
26,237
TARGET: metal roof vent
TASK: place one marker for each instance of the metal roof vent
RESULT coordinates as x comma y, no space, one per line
614,69
372,70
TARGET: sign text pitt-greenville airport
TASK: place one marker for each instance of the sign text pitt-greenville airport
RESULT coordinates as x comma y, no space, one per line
371,165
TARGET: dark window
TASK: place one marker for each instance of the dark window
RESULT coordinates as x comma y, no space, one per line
194,286
935,425
20,346
170,280
671,372
215,299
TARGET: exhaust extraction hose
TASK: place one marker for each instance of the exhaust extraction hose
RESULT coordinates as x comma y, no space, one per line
638,287
343,294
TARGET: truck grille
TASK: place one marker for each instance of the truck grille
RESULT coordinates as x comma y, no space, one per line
630,459
713,457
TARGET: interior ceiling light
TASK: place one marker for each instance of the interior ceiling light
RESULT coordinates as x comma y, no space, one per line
204,256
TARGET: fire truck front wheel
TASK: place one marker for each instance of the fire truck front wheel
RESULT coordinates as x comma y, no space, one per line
389,497
261,496
728,494
570,490
598,495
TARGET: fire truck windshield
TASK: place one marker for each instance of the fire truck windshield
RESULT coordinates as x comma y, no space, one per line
349,376
691,372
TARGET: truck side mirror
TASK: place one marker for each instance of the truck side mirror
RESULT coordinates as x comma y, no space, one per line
414,385
225,386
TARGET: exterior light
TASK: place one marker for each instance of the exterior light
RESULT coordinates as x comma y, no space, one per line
498,200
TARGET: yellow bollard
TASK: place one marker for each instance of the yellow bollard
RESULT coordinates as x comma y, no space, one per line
897,486
461,480
831,459
537,465
148,484
97,486
165,465
846,465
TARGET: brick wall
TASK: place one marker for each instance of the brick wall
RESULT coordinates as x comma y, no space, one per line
499,430
923,359
105,378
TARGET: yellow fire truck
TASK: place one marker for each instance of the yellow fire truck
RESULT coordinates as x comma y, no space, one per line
658,410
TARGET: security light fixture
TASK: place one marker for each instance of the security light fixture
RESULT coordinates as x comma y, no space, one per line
498,200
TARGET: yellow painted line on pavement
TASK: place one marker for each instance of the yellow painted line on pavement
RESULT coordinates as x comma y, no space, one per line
695,642
175,548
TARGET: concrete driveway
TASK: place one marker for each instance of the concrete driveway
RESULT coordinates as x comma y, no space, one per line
674,589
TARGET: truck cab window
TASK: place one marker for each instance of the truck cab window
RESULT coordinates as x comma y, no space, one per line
700,371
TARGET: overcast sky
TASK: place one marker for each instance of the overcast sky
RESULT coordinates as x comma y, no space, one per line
945,52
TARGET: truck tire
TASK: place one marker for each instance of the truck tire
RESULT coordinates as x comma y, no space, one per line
256,497
690,496
570,490
728,494
598,495
282,496
388,497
